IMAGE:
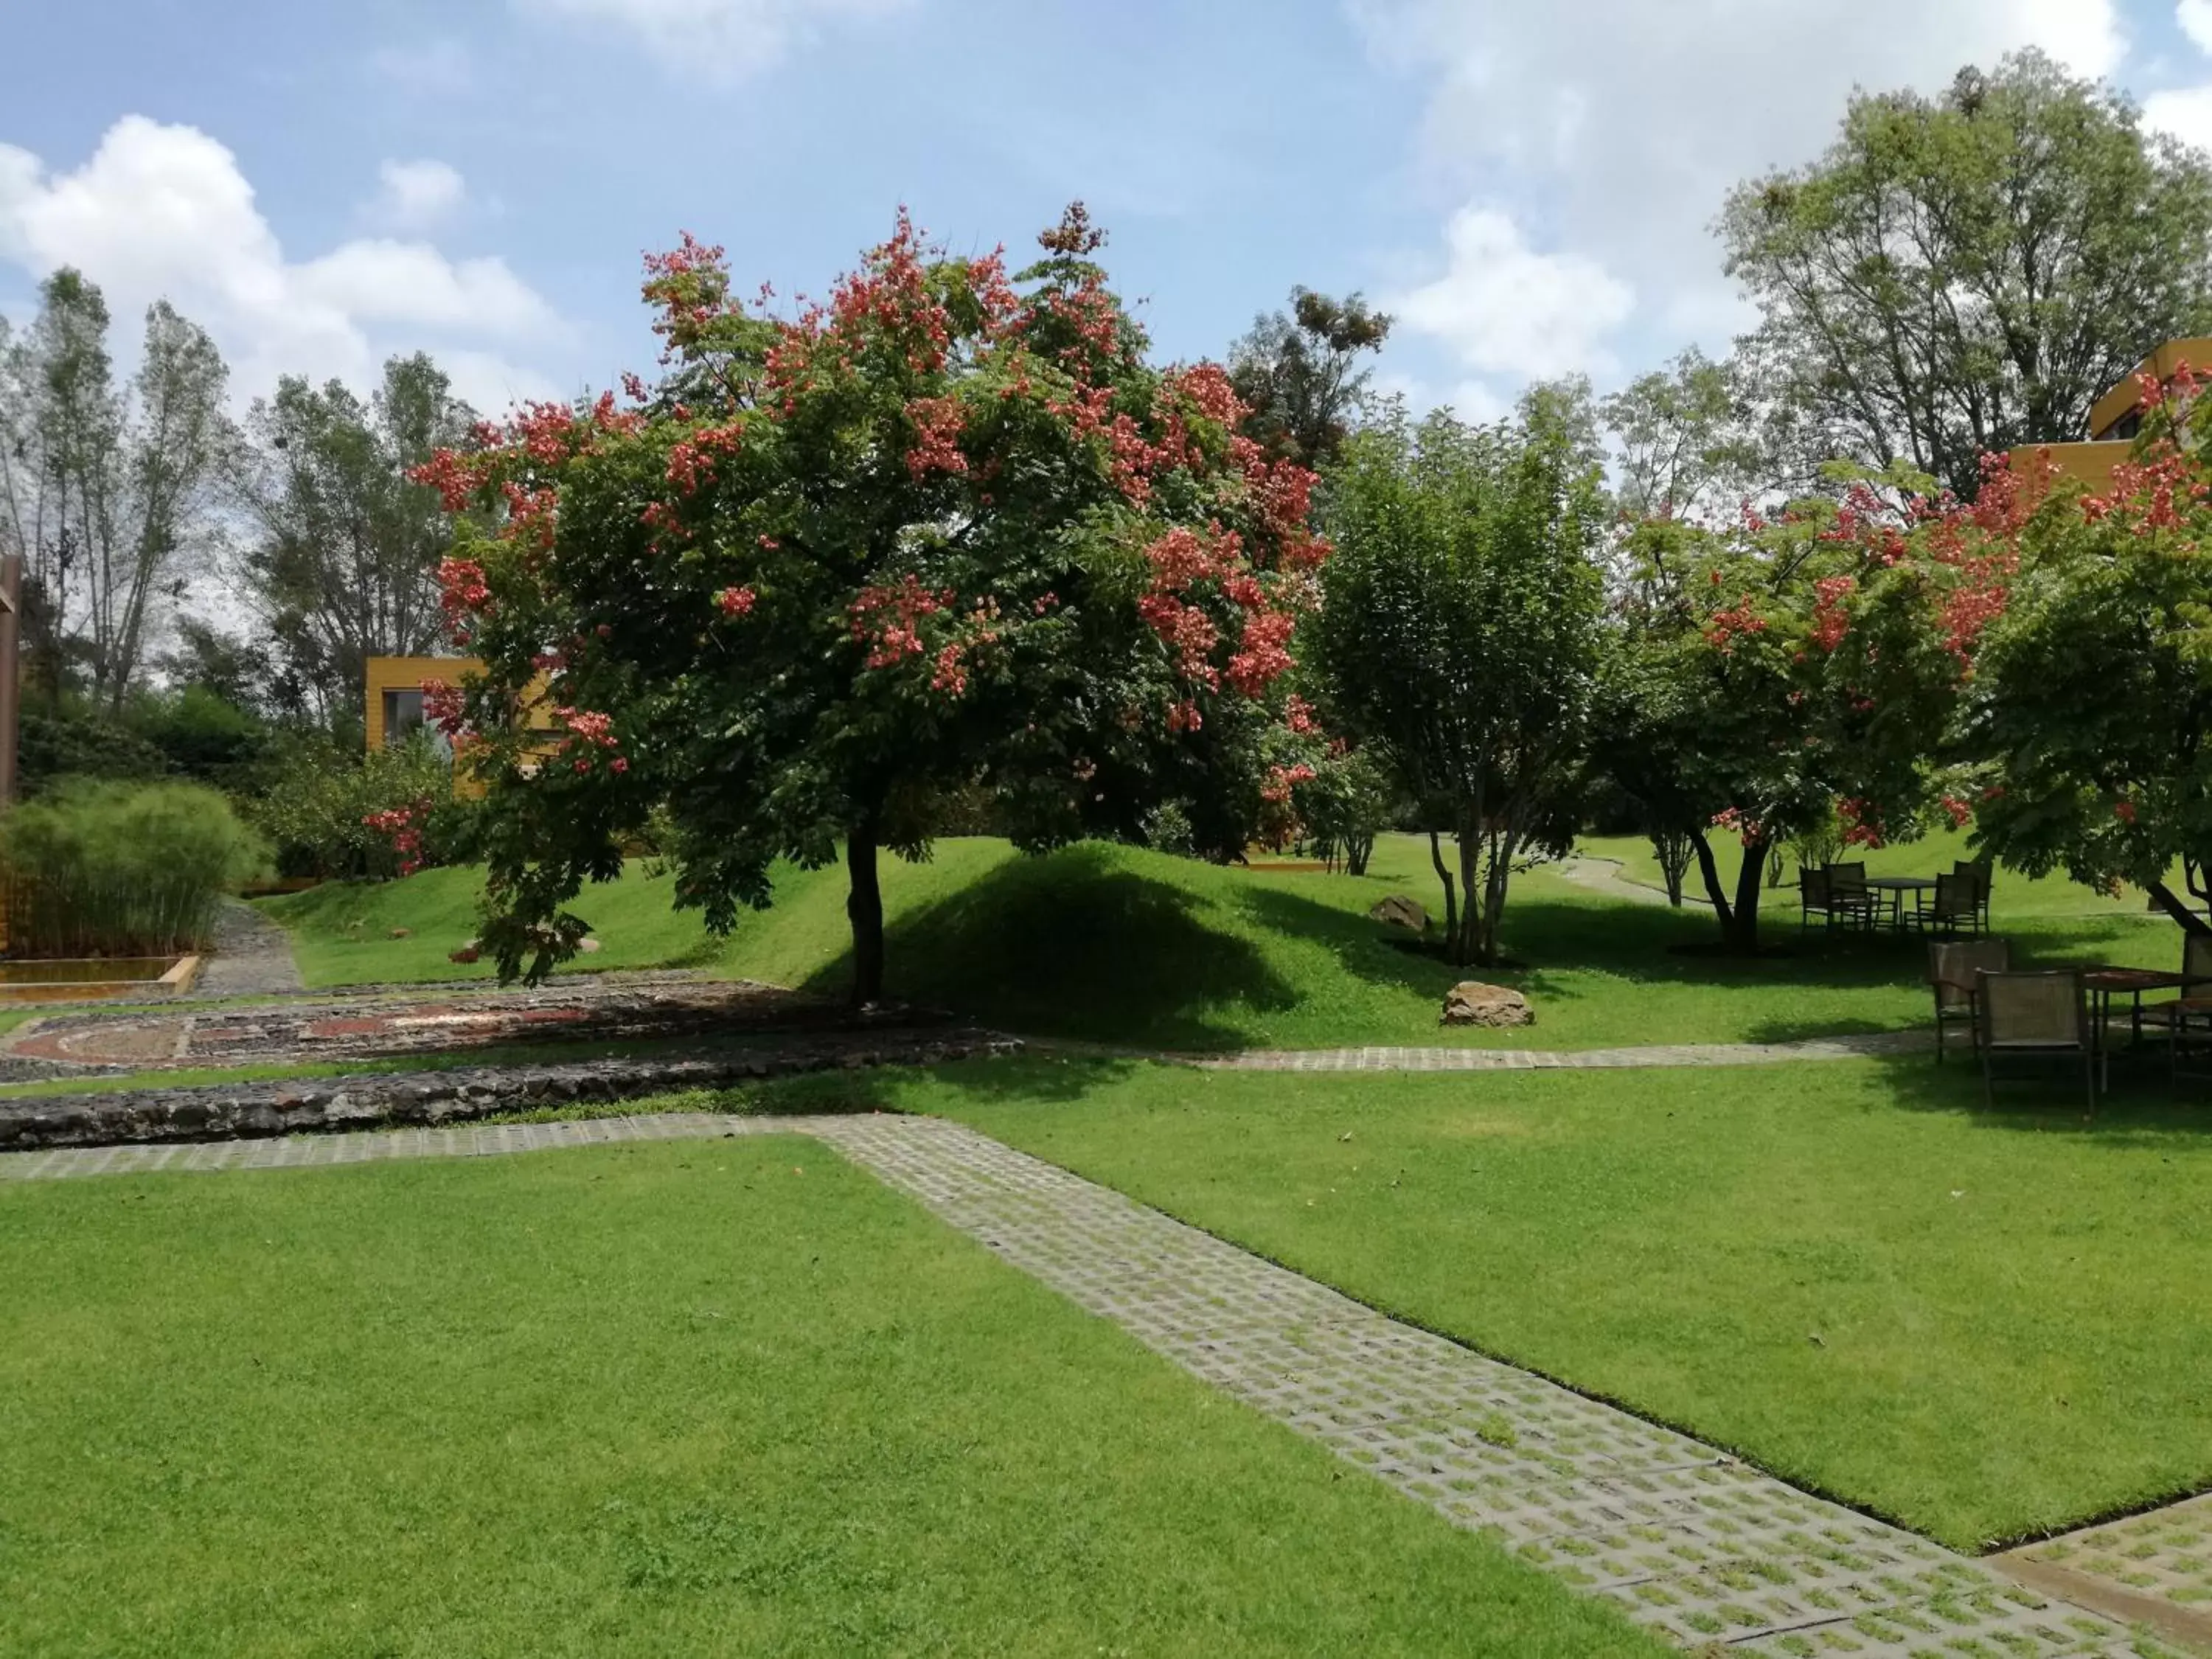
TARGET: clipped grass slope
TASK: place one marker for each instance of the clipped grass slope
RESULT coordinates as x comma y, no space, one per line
1117,944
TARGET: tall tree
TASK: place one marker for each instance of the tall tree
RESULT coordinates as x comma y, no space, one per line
2093,700
1970,272
1300,374
1686,441
345,565
947,532
1459,633
108,496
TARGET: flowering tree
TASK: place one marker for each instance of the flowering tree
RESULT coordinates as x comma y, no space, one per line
1461,637
1777,670
947,529
2093,691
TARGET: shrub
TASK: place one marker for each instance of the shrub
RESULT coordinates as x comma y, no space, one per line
314,801
122,869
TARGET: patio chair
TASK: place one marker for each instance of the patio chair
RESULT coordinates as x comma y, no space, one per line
2188,1017
1956,907
1979,875
1952,966
1812,897
2034,1016
1849,897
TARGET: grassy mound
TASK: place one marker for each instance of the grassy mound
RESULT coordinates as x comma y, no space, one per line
1117,945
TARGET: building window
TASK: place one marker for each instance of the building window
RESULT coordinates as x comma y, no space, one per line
403,718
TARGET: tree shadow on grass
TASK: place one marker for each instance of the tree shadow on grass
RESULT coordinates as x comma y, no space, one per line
1630,941
2143,1105
1039,1079
1069,945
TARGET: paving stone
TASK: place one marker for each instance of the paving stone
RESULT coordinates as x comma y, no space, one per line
1549,1060
1687,1540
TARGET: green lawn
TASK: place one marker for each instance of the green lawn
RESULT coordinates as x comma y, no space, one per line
2014,897
726,1397
1114,945
1982,1325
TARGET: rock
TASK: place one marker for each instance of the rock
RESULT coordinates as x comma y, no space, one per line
401,933
1471,1003
588,945
468,952
1398,911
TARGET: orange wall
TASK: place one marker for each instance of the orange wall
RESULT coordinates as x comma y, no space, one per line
2092,464
2119,403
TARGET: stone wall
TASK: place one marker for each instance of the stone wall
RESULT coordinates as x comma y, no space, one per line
237,1111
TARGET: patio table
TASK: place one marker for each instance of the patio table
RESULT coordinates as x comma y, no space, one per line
1897,887
2104,983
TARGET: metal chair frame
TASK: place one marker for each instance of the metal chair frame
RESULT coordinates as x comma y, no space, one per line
1989,990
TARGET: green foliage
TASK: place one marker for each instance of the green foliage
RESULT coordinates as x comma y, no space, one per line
2093,694
1459,636
1300,375
122,869
1689,440
106,491
1344,806
1970,272
311,797
1768,671
344,564
950,531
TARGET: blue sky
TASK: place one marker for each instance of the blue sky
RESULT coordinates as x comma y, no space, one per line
1527,186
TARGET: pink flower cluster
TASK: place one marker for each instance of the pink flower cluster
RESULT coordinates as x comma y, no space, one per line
403,827
588,731
888,618
1281,781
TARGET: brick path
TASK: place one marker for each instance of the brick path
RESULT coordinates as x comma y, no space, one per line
1544,1060
1684,1539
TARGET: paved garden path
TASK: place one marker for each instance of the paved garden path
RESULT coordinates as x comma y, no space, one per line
1688,1541
1544,1060
253,957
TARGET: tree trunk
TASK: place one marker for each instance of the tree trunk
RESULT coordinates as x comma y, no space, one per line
1357,851
1742,927
1470,892
1451,905
864,908
2177,907
1738,916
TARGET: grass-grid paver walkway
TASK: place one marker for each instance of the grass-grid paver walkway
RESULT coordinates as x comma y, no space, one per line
1687,1540
1552,1059
2155,1567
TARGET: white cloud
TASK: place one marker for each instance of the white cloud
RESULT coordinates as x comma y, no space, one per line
2186,112
415,195
714,37
2195,17
1629,121
1505,308
164,211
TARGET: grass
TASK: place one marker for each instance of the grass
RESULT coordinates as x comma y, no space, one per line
1114,945
726,1397
1983,1325
2014,897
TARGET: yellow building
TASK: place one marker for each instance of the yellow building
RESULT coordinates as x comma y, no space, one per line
2115,419
395,694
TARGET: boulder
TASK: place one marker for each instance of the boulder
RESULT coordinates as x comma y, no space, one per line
468,952
1471,1003
1398,911
588,945
401,933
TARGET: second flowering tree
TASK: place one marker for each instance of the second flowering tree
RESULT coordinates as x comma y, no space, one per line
943,530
